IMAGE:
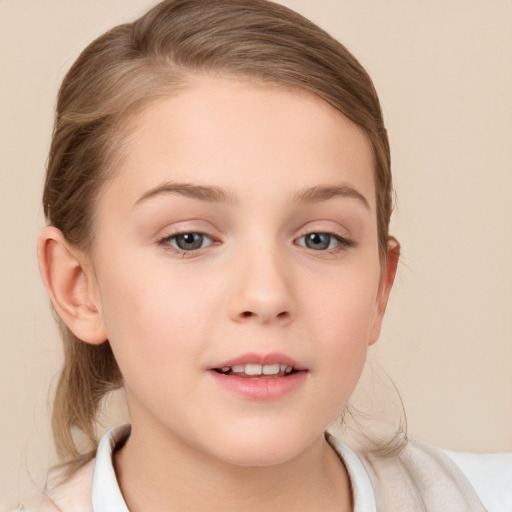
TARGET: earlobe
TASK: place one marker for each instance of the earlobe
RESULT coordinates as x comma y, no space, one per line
386,283
69,287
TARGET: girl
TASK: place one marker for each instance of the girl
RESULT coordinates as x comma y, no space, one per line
218,199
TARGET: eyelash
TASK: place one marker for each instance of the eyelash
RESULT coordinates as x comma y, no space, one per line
343,243
165,242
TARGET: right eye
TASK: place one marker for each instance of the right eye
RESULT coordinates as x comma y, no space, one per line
186,242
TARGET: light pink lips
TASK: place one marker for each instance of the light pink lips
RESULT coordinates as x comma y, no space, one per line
260,386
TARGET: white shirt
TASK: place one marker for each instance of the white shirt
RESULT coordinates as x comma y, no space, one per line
490,475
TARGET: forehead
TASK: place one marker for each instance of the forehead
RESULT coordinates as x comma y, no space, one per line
245,136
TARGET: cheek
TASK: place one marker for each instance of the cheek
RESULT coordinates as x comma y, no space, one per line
155,318
342,317
344,305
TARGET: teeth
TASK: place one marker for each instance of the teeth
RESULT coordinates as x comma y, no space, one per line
253,369
258,369
270,369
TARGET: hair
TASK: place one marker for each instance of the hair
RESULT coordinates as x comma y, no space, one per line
134,64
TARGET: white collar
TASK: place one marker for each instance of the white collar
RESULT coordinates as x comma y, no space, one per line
362,489
107,497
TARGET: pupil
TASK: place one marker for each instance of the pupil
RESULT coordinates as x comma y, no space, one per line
318,241
189,241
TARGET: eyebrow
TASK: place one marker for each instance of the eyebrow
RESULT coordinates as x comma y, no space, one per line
214,194
325,192
208,193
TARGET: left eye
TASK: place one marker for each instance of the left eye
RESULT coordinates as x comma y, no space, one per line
188,241
321,241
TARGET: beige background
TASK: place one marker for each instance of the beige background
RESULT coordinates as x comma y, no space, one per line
443,70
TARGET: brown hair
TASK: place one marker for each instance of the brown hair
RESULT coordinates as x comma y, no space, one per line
133,64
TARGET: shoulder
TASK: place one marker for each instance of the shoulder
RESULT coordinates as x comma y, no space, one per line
473,481
71,495
491,476
423,477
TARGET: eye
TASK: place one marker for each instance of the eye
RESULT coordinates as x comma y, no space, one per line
187,241
323,241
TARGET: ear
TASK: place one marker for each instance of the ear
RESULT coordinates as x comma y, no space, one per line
71,290
387,278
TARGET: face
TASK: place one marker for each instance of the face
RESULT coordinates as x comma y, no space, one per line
236,268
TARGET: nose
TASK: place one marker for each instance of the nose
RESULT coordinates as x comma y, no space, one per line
262,289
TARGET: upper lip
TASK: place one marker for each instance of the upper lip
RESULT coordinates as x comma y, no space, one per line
263,359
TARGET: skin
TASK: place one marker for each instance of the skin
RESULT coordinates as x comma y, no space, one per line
254,286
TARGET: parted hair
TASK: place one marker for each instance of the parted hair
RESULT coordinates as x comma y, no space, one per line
136,63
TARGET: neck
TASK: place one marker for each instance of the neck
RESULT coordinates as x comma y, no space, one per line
156,474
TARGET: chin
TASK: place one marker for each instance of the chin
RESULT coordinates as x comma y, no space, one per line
260,448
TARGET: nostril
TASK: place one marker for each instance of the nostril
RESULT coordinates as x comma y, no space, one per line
283,315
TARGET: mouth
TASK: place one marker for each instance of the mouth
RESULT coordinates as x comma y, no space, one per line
260,376
256,365
248,371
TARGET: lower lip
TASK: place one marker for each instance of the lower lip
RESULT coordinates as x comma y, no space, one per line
260,388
